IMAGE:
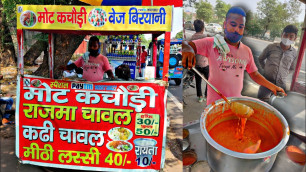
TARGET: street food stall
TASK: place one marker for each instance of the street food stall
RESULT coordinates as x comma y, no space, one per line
99,126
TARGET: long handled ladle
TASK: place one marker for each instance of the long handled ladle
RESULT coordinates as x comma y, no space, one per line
239,109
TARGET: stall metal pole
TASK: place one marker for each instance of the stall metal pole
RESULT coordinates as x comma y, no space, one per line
166,56
300,60
154,53
51,55
20,40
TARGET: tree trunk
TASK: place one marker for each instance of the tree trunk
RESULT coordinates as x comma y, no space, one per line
64,45
34,52
7,51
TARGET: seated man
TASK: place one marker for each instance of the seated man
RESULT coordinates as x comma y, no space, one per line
94,65
8,101
228,58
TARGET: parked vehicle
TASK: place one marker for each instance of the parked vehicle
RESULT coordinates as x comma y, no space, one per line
188,25
214,27
175,60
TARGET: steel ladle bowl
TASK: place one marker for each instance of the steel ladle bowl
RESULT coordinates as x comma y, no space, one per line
221,159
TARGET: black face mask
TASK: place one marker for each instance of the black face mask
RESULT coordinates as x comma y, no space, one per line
93,52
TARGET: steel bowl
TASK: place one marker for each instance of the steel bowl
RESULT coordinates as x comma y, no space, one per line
221,159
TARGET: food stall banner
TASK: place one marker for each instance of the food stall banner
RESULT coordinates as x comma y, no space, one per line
113,2
102,126
176,3
94,18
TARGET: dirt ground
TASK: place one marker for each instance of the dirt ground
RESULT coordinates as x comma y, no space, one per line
8,89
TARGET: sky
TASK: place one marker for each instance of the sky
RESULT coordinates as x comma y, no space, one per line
177,23
252,5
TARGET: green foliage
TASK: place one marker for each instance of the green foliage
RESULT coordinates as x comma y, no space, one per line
252,26
187,17
10,11
204,11
144,41
221,9
179,35
274,15
10,6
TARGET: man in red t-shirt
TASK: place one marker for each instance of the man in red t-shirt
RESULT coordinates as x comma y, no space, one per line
143,58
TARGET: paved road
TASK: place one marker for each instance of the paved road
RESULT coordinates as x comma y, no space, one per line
174,131
175,94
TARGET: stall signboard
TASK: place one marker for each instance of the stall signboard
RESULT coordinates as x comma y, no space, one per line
94,18
176,3
110,126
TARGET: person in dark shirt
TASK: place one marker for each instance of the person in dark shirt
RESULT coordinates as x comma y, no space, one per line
201,61
278,60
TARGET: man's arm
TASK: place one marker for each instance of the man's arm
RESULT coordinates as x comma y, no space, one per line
263,57
293,64
188,52
259,79
110,74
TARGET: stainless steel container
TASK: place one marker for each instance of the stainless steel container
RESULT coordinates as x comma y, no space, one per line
292,107
221,159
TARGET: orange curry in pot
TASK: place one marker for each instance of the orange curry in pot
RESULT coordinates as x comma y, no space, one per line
246,135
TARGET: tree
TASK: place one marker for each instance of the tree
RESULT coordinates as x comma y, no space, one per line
274,15
179,35
64,46
221,9
204,11
188,3
252,26
267,13
144,41
187,17
7,51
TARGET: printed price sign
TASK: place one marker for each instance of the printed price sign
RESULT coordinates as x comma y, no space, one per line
94,126
147,124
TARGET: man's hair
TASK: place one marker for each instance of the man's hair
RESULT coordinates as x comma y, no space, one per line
236,10
143,47
93,39
198,25
291,29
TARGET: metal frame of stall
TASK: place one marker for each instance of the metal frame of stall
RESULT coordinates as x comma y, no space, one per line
51,36
155,34
300,57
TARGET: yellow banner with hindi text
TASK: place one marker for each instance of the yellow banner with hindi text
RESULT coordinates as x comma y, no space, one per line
94,18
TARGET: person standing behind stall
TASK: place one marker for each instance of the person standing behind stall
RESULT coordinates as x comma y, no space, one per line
201,61
94,64
277,60
143,58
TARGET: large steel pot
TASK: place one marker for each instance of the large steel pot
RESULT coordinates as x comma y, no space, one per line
292,107
221,159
